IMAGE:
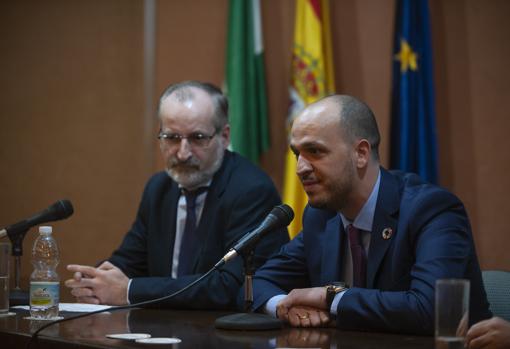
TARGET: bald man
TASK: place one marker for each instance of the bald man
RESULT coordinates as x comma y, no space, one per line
373,243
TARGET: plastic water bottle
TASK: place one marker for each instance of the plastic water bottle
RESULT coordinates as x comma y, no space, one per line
44,281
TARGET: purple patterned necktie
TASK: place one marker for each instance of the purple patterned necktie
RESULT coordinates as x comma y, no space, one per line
359,257
189,236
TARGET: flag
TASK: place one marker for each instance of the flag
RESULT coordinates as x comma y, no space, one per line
245,80
312,79
413,129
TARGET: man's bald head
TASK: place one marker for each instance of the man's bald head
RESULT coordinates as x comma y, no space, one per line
355,118
187,91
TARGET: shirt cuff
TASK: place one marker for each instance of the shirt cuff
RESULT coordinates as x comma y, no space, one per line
127,295
334,305
270,306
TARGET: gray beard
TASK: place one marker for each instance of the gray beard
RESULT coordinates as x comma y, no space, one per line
193,178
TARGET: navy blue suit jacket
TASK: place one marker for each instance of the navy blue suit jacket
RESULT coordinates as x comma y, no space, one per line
239,197
431,240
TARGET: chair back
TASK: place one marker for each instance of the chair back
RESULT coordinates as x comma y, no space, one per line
497,286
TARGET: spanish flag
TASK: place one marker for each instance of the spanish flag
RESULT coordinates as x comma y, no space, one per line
312,79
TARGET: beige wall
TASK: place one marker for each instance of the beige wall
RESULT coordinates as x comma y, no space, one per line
72,103
71,108
473,96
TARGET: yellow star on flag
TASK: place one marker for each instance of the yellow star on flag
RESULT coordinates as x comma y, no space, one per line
407,57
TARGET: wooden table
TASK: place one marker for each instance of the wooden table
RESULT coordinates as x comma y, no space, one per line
195,329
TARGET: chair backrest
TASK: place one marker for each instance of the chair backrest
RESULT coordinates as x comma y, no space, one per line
497,286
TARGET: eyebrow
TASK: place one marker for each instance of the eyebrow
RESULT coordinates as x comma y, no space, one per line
308,144
179,133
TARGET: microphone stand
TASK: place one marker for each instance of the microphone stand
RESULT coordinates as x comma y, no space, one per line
248,281
17,296
248,320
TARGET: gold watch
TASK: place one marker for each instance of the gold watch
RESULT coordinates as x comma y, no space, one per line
333,289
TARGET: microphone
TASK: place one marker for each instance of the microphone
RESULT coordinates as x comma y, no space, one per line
279,217
59,210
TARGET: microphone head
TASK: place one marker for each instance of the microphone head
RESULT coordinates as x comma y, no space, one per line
279,217
61,209
284,214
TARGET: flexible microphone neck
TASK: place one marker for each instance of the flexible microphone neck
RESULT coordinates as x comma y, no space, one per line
278,218
61,209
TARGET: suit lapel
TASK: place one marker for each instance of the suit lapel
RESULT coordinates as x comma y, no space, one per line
169,223
386,212
332,243
216,190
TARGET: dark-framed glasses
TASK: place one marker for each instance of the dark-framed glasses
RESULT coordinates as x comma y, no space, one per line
195,139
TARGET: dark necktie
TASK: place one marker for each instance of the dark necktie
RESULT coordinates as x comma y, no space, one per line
359,258
189,236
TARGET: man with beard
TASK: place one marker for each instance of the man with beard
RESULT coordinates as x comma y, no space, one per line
373,243
189,216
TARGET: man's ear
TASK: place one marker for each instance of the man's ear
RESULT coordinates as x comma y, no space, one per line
225,136
363,152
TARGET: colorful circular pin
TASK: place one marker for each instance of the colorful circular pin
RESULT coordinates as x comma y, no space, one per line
387,233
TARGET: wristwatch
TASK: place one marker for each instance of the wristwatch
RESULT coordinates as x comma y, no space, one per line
333,289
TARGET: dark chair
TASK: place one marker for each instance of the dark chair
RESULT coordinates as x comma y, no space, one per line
497,286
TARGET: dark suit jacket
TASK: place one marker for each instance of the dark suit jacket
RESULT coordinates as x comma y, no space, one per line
431,240
239,197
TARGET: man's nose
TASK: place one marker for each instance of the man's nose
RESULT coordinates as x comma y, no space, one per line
184,151
303,166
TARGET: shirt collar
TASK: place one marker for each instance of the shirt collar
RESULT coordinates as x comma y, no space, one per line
208,184
365,218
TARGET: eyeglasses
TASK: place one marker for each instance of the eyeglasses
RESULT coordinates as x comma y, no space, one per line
196,139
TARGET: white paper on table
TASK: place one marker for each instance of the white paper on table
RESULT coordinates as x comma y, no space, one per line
73,307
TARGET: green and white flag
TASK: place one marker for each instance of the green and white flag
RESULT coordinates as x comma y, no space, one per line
245,80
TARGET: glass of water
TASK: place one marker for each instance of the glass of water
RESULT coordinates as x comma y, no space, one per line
5,249
452,313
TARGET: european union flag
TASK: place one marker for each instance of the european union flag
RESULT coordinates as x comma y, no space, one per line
413,129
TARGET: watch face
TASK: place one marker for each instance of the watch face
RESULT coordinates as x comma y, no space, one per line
333,289
338,286
337,289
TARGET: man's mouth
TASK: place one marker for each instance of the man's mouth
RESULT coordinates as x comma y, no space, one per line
184,168
309,184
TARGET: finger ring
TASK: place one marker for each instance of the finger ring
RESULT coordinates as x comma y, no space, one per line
302,317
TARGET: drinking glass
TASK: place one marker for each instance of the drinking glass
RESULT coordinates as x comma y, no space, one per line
452,313
5,248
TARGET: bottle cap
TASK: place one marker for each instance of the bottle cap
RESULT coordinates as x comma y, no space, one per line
45,229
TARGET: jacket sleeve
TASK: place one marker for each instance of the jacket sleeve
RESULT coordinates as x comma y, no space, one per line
131,255
290,268
284,272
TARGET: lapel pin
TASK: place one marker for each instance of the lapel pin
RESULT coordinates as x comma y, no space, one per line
387,233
